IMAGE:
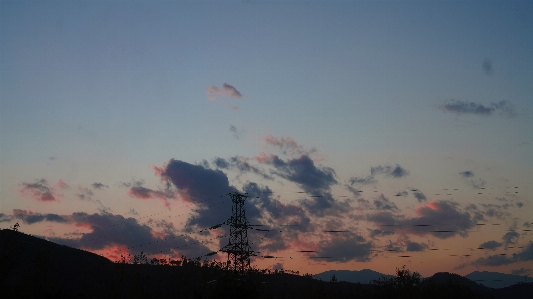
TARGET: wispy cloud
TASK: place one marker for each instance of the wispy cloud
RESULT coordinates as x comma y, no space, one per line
289,146
468,177
226,90
39,191
242,165
441,218
526,254
387,170
461,107
315,180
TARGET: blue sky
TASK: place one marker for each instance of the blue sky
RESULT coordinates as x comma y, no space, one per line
305,96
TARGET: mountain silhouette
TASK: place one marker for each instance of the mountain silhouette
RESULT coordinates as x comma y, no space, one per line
364,276
31,267
497,280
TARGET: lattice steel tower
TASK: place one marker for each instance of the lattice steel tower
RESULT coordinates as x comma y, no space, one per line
238,249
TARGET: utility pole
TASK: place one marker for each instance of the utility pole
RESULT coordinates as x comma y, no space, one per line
238,249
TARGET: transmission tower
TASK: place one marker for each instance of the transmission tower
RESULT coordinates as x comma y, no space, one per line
238,249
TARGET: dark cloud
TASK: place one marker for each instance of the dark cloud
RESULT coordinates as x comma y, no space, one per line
316,181
519,204
31,217
345,248
526,254
39,191
420,196
387,170
527,224
491,245
466,174
487,66
414,246
462,107
221,163
510,238
97,185
110,230
208,188
147,193
5,218
242,165
383,203
442,219
368,180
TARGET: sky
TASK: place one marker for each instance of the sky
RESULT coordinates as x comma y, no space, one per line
366,134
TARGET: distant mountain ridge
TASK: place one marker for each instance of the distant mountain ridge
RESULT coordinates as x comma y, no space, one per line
497,280
493,280
364,276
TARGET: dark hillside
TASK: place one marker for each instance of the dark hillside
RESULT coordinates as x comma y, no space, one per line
31,267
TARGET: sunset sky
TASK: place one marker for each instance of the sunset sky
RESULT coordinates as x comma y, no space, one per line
404,126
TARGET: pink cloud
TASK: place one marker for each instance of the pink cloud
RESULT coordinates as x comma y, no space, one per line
62,185
39,191
146,193
226,91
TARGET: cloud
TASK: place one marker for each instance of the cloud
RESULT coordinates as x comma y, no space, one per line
236,132
510,238
420,196
466,174
344,248
97,185
288,146
85,193
440,218
468,178
462,107
491,245
110,230
146,193
30,217
5,217
62,185
526,254
315,180
302,171
415,247
487,66
275,210
241,164
226,91
368,180
383,203
39,191
208,188
387,170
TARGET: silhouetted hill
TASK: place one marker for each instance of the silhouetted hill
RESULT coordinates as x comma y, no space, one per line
31,267
364,276
496,280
